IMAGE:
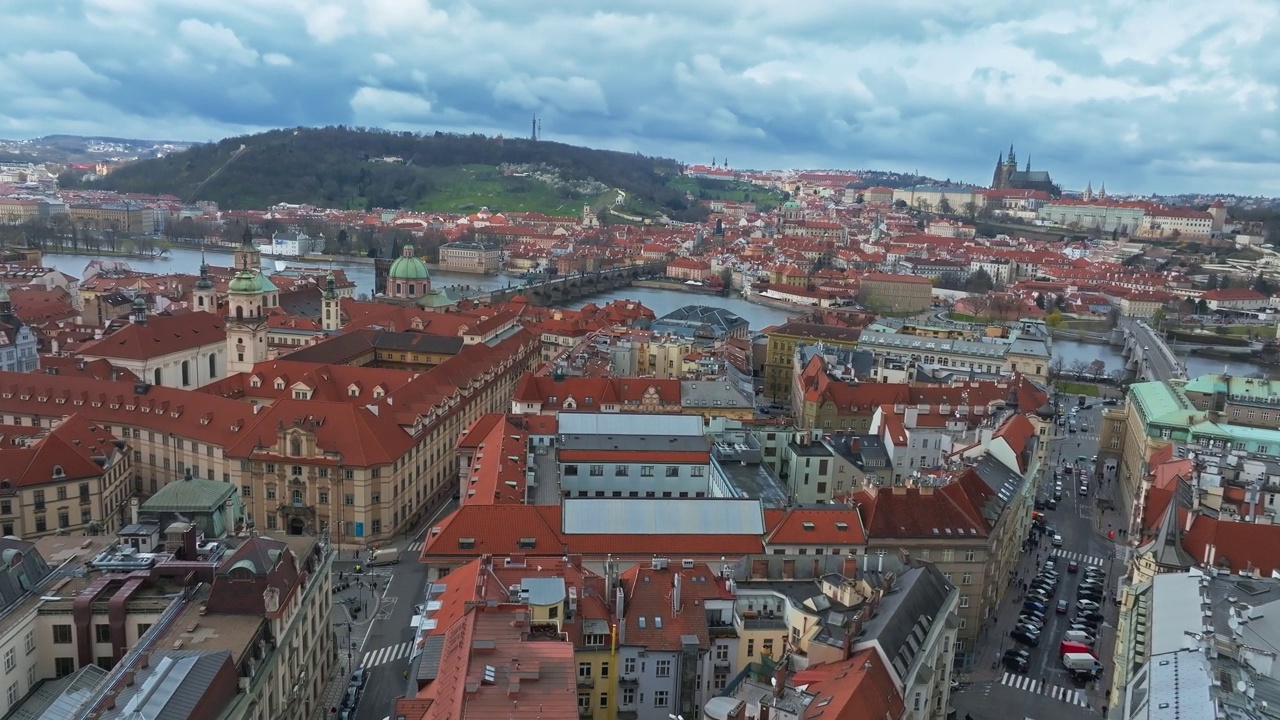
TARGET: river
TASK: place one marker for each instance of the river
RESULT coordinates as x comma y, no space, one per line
184,260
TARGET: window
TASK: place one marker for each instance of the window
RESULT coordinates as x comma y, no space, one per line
584,671
324,497
698,471
673,471
571,470
12,694
964,601
377,526
584,703
186,373
660,698
10,660
970,556
41,524
62,490
143,628
597,470
662,668
106,662
629,666
628,696
271,522
6,507
948,556
62,634
29,642
966,579
722,652
63,666
766,647
349,499
37,497
604,669
102,633
621,470
720,679
271,492
646,471
375,497
751,647
246,491
604,700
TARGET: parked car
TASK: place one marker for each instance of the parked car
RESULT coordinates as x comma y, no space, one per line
1087,605
1090,615
1026,638
1028,629
1057,541
1062,607
1039,597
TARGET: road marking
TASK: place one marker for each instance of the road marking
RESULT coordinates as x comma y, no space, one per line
385,655
1079,557
1031,685
415,548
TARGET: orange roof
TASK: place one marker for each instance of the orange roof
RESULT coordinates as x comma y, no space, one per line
66,452
159,336
834,525
855,689
654,619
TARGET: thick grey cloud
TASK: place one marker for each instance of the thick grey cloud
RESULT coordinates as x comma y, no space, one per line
1148,96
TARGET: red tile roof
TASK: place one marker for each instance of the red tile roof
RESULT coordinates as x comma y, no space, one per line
834,526
656,618
65,453
159,336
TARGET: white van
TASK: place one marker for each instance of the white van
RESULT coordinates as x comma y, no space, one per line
1082,662
385,556
1078,636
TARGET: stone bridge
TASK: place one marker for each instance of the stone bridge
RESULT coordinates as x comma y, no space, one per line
558,290
1149,356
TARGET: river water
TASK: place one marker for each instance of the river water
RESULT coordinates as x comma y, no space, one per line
184,260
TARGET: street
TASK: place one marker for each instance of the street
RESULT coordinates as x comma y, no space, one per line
1046,691
379,636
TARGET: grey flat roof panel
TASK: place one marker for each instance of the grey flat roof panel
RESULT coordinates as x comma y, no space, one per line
662,516
629,424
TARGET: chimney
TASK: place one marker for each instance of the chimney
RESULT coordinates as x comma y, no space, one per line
189,543
133,509
675,596
619,604
779,680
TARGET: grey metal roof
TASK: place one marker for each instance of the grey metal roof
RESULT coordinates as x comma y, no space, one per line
629,424
914,343
542,591
918,601
429,661
17,579
172,690
723,320
660,516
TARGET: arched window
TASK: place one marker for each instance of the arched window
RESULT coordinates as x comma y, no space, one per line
410,288
157,377
297,497
295,447
200,301
186,373
399,288
213,365
239,312
328,314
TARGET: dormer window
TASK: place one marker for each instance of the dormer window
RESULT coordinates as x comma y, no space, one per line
279,385
379,392
255,382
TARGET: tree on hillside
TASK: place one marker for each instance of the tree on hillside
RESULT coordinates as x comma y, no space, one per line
1053,319
944,206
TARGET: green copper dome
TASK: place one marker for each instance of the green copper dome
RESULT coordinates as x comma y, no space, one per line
408,267
247,282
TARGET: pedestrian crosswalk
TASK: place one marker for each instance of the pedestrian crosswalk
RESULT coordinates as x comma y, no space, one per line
374,658
1066,695
415,548
1079,557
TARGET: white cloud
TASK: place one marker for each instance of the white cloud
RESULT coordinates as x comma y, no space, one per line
1145,95
216,41
389,106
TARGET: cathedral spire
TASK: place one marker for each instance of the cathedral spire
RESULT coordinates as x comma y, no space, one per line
1028,163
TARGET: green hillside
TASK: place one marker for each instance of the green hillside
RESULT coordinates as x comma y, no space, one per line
345,168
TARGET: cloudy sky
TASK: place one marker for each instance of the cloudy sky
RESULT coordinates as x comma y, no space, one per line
1162,96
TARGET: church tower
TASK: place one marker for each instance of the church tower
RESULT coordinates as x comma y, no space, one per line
203,298
248,256
997,178
332,318
246,321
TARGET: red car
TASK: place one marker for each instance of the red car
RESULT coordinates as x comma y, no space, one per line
1073,566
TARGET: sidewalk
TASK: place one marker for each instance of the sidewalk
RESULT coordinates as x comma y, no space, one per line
336,686
994,638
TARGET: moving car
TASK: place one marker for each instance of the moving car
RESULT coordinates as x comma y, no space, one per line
1062,607
1073,567
1057,541
1016,663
